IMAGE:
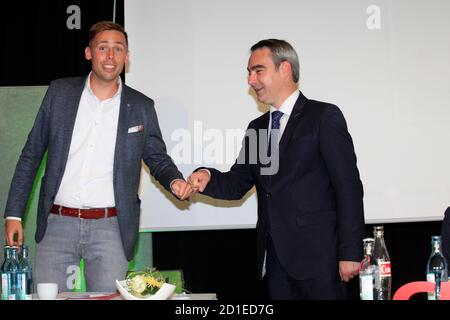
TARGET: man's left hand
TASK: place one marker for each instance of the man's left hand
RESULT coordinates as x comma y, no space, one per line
348,270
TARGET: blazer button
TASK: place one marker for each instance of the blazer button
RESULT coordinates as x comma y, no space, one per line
268,195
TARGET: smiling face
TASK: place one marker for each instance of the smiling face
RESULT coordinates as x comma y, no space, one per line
108,52
272,85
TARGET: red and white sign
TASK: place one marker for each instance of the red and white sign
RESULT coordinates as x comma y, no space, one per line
385,268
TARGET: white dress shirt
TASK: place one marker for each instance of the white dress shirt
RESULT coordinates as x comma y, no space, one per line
88,177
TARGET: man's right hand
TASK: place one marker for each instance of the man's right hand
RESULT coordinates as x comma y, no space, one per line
199,180
11,228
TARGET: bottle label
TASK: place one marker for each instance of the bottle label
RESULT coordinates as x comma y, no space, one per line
385,268
366,287
430,278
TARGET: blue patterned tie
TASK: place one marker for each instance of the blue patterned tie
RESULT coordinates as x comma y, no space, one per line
274,134
276,116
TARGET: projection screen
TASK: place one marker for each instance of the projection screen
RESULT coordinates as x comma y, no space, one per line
386,64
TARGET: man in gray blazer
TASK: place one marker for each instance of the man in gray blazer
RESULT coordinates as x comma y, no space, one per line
96,131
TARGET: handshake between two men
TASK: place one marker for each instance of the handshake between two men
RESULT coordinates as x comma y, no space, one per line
196,182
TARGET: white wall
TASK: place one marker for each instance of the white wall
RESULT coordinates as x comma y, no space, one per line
386,64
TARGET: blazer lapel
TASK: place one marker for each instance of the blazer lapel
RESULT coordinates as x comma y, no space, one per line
122,130
293,121
71,109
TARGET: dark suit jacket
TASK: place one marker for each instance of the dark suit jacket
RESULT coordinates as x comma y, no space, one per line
445,235
313,206
52,132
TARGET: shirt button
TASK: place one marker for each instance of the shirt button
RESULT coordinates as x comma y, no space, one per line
268,195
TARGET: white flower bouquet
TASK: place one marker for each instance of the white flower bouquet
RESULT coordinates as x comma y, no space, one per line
144,283
149,284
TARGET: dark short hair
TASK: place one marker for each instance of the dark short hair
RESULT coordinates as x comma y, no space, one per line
106,26
281,51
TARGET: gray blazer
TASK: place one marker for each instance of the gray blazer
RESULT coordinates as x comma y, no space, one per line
52,132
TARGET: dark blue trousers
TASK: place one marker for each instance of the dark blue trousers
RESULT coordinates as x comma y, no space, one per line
282,286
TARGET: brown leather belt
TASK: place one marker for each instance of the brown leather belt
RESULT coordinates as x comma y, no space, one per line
92,213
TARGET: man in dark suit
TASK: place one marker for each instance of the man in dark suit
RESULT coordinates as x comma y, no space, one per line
310,199
445,234
96,131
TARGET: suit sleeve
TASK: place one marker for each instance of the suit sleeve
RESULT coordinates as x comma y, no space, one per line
30,159
155,154
234,184
337,149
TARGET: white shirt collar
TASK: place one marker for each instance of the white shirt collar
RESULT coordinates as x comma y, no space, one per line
89,89
288,104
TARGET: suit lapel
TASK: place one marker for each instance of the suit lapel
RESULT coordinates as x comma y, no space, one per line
122,130
293,121
73,100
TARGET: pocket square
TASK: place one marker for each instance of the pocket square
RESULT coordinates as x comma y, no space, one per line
136,129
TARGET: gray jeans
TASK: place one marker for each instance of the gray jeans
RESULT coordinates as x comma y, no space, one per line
69,239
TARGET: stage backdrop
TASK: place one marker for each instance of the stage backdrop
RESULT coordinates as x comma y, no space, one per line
384,63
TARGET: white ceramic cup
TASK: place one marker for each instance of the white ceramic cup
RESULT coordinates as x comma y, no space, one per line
47,291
